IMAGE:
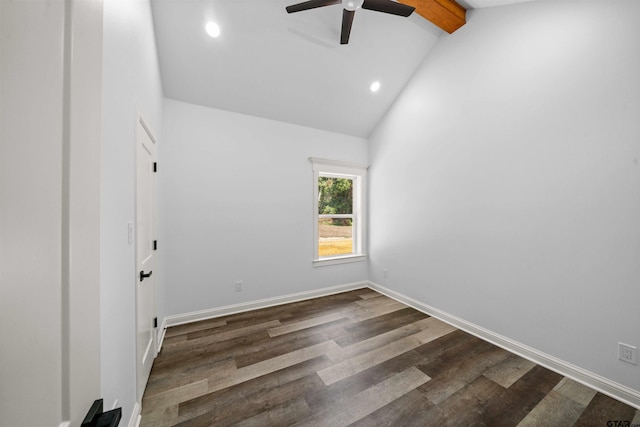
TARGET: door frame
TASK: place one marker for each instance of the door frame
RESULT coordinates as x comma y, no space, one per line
154,349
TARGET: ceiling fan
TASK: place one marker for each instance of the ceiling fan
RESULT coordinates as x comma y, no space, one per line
349,10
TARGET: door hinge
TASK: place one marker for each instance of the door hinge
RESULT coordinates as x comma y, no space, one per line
155,322
155,245
155,166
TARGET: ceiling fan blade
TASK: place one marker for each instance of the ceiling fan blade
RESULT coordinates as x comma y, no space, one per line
347,21
311,4
388,6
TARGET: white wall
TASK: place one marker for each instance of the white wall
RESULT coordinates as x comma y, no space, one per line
236,200
131,84
31,212
49,189
505,181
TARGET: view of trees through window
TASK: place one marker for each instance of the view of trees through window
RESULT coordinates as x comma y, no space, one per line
335,216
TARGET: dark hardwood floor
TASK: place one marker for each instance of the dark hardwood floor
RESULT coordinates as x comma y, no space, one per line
361,359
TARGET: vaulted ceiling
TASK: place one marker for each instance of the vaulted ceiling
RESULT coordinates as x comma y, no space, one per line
292,67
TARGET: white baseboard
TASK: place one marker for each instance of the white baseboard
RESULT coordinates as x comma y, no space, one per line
610,388
196,316
134,421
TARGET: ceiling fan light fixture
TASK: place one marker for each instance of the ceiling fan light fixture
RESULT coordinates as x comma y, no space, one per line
352,5
349,8
212,29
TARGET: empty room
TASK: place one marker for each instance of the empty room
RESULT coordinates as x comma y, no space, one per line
340,212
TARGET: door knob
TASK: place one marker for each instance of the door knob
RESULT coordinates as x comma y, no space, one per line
143,275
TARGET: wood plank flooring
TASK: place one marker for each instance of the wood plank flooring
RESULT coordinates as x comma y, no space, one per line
356,359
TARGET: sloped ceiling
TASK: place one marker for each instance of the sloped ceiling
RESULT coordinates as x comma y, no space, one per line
291,67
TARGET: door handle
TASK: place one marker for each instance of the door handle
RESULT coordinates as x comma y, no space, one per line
143,275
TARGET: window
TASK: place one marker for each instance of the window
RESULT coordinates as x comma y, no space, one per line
338,212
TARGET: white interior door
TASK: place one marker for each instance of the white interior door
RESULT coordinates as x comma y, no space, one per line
145,260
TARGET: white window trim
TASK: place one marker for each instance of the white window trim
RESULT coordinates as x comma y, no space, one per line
358,172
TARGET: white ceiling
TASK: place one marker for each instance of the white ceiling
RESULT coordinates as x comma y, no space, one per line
291,67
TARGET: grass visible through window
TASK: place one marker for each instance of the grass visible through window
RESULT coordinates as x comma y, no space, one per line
335,237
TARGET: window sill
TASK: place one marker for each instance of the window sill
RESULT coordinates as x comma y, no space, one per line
339,260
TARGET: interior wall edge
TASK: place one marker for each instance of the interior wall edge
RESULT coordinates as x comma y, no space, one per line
590,379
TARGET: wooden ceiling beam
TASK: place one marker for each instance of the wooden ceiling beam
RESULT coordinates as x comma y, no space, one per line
446,14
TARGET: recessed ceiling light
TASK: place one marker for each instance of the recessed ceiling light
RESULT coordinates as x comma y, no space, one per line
212,29
375,86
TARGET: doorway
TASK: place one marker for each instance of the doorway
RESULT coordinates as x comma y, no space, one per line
145,255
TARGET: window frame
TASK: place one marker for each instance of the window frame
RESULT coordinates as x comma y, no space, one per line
358,173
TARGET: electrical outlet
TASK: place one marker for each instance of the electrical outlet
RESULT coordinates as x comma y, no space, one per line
239,286
628,353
